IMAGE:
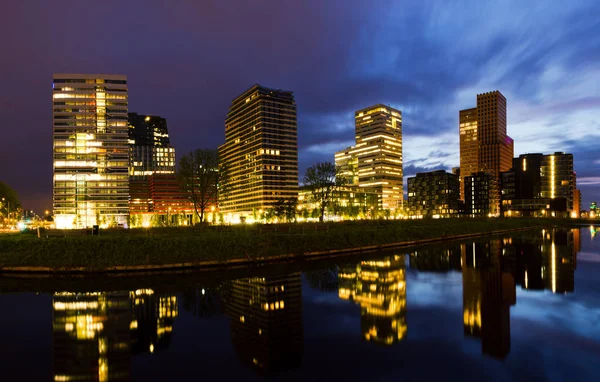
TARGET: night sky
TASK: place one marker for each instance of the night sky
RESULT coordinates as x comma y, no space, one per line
186,61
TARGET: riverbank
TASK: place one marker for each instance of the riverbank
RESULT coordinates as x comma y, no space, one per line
158,249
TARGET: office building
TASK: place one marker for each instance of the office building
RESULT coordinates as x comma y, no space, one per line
540,185
347,202
469,146
156,198
90,150
376,159
558,177
481,193
260,151
433,194
151,151
484,143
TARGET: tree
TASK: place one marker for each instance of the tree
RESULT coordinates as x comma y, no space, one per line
285,209
201,178
322,180
9,201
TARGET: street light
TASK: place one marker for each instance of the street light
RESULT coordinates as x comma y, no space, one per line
8,208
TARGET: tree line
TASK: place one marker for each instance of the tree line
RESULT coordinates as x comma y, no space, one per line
205,180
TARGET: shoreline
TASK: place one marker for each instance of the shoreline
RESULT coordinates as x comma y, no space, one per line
248,262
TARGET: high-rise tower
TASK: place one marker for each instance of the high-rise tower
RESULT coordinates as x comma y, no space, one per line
90,150
484,143
260,152
376,160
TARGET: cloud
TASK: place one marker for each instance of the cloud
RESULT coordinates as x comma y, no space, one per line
186,61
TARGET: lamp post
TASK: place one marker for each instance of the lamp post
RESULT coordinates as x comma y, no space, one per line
8,208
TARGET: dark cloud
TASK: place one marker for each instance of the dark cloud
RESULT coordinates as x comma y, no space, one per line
187,60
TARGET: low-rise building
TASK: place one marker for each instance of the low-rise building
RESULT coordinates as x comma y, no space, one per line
433,194
481,190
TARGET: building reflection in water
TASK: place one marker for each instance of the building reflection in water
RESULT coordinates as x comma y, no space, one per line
548,260
153,317
434,259
488,293
266,321
95,334
379,287
492,269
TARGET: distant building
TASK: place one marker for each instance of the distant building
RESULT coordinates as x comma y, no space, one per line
484,143
481,191
150,148
433,194
540,185
376,160
558,177
260,151
346,202
90,150
469,145
155,195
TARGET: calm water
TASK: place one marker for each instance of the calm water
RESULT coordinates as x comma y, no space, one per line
524,308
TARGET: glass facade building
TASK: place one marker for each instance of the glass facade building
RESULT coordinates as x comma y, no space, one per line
90,150
260,153
376,159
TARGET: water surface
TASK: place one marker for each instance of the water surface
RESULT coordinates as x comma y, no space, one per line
516,308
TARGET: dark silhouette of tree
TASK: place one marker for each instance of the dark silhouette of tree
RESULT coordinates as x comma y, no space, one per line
324,280
9,200
322,180
286,209
201,177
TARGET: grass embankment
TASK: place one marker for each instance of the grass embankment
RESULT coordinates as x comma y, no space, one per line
158,246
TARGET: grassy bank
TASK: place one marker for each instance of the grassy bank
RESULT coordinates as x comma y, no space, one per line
157,246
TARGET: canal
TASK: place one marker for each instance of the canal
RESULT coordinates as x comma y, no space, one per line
522,307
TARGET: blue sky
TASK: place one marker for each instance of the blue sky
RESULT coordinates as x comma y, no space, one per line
186,61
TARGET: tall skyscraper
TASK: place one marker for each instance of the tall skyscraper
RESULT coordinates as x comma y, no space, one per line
469,146
260,151
90,150
484,143
376,160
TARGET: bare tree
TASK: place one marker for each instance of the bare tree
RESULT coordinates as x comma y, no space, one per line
322,180
200,177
